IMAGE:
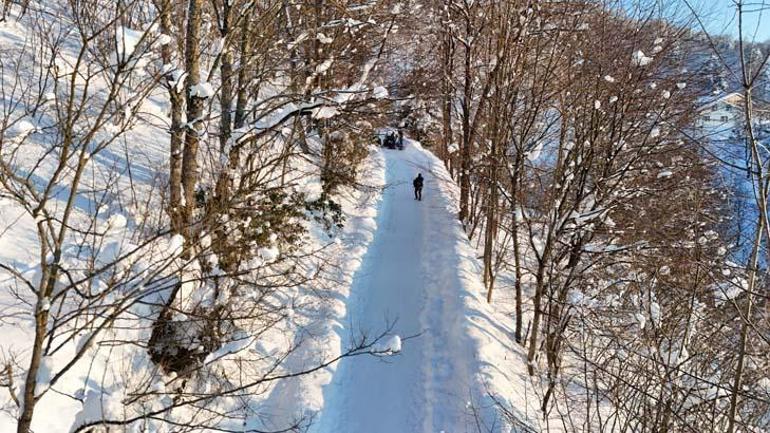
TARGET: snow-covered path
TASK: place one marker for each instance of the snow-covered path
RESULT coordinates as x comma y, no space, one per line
411,276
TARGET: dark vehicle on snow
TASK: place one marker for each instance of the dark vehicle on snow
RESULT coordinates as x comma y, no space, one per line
390,139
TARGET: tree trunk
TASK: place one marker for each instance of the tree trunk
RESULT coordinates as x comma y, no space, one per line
448,63
6,10
516,250
557,323
194,113
737,383
226,120
491,224
465,151
226,89
539,288
177,132
763,223
30,383
243,75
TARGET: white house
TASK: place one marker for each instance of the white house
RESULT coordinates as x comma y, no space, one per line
720,111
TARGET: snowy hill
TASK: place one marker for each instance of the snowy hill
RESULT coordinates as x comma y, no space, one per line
397,289
208,221
94,367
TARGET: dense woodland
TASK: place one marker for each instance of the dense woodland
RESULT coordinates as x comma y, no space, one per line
632,246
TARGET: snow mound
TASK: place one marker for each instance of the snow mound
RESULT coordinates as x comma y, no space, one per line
322,38
127,40
20,129
202,90
323,67
388,346
380,92
325,112
639,59
269,254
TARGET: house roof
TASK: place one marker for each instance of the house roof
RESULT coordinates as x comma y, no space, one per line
731,98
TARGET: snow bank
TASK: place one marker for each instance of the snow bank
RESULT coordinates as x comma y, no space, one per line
127,39
380,92
323,67
454,364
388,346
320,331
322,38
639,59
202,90
325,112
478,337
97,405
20,130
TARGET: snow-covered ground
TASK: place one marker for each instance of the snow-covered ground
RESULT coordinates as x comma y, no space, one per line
132,167
399,265
420,277
404,265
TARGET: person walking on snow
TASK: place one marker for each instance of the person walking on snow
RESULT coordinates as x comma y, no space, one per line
418,187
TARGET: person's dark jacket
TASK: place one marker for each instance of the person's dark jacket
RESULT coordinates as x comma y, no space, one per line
418,181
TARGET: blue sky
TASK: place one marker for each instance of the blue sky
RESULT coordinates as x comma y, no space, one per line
720,17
